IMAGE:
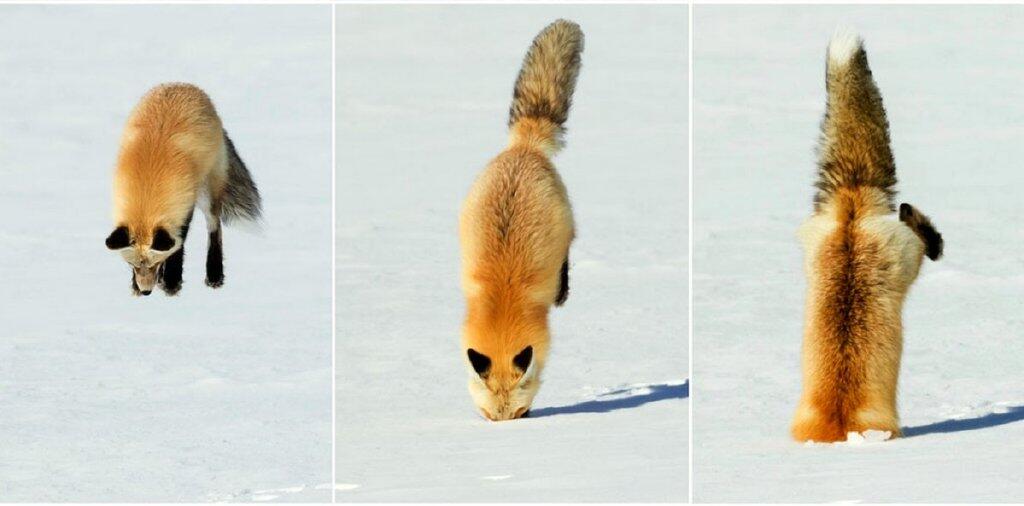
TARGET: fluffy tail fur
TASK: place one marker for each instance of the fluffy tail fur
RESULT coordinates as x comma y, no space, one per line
854,146
543,90
241,198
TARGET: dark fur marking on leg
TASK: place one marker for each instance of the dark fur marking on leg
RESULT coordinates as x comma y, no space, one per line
924,229
563,287
215,261
174,267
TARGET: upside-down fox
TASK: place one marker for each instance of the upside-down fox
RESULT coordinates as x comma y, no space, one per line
515,229
859,261
175,156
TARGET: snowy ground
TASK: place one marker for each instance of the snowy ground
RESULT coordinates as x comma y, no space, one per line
950,77
423,98
207,396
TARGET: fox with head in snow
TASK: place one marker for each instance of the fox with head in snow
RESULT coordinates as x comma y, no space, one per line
859,260
515,229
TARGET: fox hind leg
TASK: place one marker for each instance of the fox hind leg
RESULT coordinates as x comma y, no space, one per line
811,424
923,227
563,284
215,251
215,261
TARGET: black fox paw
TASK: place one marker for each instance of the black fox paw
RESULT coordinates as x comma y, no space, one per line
215,283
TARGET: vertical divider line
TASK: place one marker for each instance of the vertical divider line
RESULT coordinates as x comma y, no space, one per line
689,277
334,245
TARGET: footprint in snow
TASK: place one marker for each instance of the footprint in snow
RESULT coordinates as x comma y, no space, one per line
274,493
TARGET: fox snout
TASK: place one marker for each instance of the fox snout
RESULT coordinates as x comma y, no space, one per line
504,415
146,278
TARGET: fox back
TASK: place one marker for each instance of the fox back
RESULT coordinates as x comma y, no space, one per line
859,261
515,229
172,143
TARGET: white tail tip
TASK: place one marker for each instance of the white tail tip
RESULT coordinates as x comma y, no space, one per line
843,46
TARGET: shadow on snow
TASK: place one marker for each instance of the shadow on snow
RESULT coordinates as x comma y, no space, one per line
654,393
1013,414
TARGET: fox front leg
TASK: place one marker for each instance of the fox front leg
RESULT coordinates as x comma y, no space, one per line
174,267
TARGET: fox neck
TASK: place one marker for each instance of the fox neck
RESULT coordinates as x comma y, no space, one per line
504,328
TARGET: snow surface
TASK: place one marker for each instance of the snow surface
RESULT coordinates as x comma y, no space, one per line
423,96
206,396
950,78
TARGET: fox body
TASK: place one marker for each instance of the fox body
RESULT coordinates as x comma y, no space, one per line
859,260
515,229
175,156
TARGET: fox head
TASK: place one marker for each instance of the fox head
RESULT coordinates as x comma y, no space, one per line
145,252
503,384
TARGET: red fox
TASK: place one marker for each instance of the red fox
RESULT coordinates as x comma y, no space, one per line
175,156
515,229
859,261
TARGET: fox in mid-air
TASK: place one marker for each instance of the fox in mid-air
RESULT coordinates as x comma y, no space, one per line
515,229
859,260
175,156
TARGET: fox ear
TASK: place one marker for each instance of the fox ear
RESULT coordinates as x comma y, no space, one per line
162,241
119,238
523,359
906,211
481,364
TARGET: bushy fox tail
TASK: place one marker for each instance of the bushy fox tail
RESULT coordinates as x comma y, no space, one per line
543,90
241,198
854,146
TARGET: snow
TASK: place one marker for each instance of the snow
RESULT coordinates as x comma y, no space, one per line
423,99
950,77
211,395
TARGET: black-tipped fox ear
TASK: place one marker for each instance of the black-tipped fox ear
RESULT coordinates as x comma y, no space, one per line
119,238
481,364
906,211
523,359
162,241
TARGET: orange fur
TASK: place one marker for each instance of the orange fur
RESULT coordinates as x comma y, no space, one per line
172,147
174,157
515,229
859,262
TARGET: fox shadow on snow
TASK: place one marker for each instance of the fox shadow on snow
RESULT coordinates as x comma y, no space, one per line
653,393
1012,414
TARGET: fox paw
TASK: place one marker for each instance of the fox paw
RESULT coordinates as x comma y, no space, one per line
215,283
